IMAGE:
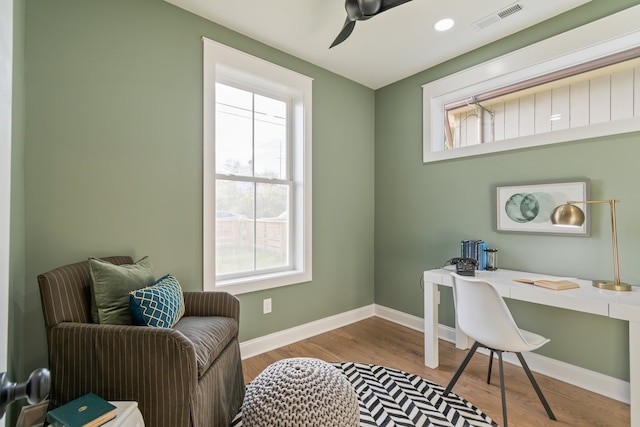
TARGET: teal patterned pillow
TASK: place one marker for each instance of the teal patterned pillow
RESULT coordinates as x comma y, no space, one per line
160,305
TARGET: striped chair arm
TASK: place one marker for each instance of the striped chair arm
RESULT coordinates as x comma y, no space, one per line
212,304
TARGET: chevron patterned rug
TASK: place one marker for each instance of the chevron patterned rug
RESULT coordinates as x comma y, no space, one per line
389,398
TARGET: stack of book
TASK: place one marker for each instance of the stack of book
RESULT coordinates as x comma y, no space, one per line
475,249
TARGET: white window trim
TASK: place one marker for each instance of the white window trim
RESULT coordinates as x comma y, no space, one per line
604,37
220,57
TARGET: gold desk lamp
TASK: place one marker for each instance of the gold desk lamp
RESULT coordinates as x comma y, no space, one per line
569,215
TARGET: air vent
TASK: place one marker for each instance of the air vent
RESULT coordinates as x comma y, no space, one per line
510,11
498,16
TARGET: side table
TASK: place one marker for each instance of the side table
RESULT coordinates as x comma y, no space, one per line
127,415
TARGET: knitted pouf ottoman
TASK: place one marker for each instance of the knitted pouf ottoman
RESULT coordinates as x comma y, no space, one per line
300,392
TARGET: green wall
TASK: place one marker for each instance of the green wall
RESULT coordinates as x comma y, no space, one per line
424,210
114,157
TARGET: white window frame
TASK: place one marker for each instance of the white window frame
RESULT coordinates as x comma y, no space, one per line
612,34
223,64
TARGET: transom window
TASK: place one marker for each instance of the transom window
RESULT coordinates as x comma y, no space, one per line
578,85
597,91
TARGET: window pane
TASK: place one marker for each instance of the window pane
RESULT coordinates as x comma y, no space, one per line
234,227
234,133
242,243
272,226
270,138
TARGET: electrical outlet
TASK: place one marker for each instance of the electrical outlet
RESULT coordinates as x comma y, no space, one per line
266,306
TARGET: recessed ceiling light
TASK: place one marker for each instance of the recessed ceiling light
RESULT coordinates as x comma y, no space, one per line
444,24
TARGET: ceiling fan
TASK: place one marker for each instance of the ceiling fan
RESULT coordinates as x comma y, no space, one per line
360,10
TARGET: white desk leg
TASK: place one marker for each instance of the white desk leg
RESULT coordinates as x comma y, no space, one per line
634,372
463,342
431,301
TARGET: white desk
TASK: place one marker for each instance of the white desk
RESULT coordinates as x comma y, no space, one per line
587,299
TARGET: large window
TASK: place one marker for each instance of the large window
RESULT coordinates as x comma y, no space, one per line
257,173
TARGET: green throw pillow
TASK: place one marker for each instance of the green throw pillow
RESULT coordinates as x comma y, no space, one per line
110,287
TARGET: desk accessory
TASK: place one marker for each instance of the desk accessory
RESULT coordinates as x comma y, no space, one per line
89,410
491,257
556,285
464,266
475,249
570,215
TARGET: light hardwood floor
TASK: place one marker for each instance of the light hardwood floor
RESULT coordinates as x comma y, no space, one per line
381,342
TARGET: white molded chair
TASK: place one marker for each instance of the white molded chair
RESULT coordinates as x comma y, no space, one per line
483,315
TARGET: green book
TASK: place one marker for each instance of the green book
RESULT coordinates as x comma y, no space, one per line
89,410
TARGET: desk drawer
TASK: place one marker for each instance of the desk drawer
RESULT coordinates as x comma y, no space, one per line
558,299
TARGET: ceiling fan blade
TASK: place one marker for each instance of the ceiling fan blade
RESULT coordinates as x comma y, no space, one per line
346,31
360,10
388,4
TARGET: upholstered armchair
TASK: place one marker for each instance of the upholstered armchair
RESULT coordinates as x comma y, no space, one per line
186,376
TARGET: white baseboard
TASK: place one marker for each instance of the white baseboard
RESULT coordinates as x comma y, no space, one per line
589,380
399,317
596,382
289,336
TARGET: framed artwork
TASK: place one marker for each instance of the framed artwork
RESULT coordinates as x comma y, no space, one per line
526,208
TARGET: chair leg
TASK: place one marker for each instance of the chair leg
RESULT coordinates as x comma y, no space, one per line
490,364
502,390
534,383
461,368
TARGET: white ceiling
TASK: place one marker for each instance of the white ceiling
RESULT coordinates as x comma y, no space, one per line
386,48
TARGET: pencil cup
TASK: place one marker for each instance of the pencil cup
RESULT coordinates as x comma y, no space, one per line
492,259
